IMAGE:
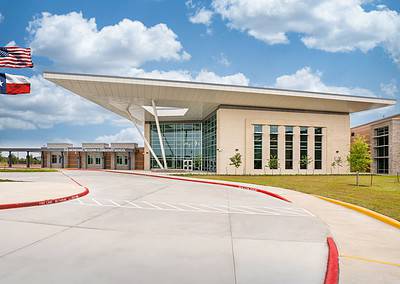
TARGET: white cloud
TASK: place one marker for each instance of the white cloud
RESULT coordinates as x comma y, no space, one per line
75,43
330,25
202,16
223,60
11,43
307,80
1,17
204,76
125,135
48,105
389,89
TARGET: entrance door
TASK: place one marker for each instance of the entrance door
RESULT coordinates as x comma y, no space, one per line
188,165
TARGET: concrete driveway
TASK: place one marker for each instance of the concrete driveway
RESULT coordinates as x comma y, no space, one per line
133,229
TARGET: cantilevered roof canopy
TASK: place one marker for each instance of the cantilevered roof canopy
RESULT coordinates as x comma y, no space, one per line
120,93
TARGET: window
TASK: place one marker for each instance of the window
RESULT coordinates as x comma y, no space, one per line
60,159
273,143
98,160
318,148
381,149
303,146
54,159
89,160
289,147
257,143
126,160
119,160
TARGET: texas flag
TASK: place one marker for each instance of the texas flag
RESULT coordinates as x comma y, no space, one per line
14,84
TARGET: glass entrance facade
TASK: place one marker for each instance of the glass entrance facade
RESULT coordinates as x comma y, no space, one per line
183,141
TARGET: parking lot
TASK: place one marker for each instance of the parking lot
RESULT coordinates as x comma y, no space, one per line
134,229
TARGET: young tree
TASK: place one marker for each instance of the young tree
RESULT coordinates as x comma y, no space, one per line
306,161
338,162
273,163
236,160
359,157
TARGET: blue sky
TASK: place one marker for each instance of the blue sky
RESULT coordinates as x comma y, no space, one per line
350,47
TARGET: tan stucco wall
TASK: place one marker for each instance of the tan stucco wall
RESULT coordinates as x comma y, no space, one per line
235,131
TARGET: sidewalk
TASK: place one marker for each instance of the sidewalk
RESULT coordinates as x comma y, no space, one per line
27,189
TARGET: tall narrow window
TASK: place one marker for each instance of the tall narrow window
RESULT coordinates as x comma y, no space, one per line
257,146
318,148
273,143
381,150
303,147
289,147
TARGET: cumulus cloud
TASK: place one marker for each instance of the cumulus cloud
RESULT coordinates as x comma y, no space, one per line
75,43
330,25
389,89
125,135
48,105
204,76
202,16
308,80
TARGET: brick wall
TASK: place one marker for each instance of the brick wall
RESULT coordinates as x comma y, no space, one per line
139,159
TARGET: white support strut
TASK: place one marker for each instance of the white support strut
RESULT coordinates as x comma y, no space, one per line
144,139
159,133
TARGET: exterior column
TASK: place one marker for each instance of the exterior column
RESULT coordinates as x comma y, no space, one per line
9,159
129,161
145,140
159,133
49,159
42,158
62,159
28,160
281,148
296,149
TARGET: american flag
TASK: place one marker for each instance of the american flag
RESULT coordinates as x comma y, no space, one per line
15,57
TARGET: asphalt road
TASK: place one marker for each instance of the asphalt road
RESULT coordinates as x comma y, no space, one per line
133,229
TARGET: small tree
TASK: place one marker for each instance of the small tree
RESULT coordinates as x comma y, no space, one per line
273,163
338,162
236,160
359,157
305,161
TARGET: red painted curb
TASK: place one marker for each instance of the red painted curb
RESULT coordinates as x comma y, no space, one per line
207,182
47,201
332,268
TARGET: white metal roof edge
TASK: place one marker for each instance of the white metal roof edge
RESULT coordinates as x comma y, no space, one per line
214,86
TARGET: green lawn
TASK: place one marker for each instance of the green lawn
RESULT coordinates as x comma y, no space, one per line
5,180
26,170
382,197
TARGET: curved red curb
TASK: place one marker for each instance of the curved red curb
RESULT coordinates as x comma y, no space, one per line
332,268
208,182
47,201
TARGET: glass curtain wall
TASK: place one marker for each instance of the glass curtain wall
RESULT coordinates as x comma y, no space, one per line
182,141
195,141
209,155
381,149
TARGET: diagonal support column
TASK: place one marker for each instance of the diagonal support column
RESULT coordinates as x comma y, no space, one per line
144,139
159,133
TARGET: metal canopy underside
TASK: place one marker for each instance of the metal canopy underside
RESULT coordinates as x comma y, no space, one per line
119,93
